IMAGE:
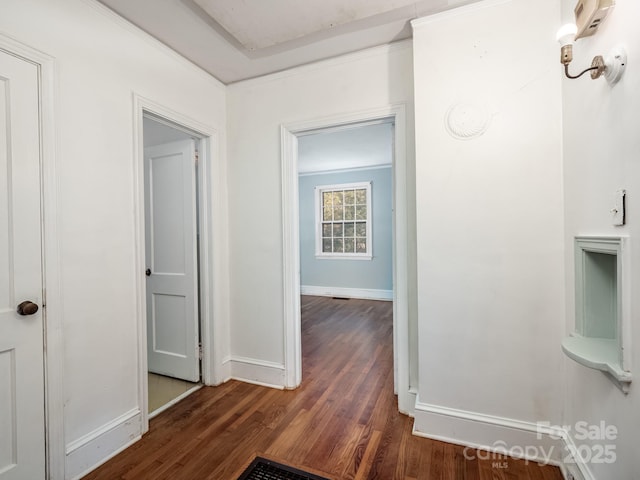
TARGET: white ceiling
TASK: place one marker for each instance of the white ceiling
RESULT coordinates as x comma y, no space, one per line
258,24
238,39
346,148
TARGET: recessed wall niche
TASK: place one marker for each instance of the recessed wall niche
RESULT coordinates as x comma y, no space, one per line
600,340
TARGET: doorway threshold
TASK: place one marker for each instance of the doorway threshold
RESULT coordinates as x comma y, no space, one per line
157,406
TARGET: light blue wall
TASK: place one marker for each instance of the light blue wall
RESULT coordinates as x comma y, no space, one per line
367,274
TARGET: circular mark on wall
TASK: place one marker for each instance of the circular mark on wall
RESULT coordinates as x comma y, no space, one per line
465,121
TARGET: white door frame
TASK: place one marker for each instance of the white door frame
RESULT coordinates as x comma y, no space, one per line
291,245
209,142
52,304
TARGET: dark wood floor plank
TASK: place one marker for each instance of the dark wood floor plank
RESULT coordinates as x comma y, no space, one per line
342,421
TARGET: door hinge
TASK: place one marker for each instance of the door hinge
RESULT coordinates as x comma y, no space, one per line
199,351
197,157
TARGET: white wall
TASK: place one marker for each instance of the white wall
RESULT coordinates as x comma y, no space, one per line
490,223
256,109
602,155
101,62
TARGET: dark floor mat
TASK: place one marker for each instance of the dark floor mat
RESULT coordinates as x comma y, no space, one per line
263,469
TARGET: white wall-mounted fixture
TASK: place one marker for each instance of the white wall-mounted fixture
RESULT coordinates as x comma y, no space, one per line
611,66
590,14
601,339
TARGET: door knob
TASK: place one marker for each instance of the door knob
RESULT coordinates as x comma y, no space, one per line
147,272
27,308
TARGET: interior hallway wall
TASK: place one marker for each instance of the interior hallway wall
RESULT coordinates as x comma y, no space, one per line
601,155
490,221
256,109
101,61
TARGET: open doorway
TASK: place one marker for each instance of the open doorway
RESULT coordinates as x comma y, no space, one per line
171,213
290,136
345,188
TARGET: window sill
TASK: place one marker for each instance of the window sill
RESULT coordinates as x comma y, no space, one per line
599,354
344,257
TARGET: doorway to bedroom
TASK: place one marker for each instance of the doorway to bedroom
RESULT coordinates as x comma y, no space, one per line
291,134
345,204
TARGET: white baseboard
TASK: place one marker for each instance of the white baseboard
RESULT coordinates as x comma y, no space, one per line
412,396
92,450
364,293
576,467
258,372
225,370
525,440
539,443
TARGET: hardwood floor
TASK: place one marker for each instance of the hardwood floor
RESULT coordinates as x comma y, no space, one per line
343,420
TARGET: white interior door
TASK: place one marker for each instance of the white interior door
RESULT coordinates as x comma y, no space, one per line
22,450
171,258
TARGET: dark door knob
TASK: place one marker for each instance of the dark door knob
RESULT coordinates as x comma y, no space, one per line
27,308
147,272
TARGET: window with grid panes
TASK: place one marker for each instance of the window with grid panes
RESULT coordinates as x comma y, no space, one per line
343,220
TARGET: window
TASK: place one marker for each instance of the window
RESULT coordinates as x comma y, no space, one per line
343,221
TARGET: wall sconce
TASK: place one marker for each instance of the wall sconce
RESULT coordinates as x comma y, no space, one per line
611,66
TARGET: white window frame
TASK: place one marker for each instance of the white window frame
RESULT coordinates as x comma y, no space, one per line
319,190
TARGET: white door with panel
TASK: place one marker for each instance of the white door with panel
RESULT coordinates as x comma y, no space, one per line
171,259
22,448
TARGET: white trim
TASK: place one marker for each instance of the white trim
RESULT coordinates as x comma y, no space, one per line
209,254
343,256
364,293
53,312
454,12
490,419
342,128
291,259
173,401
225,368
625,285
343,170
401,345
97,447
578,468
257,372
291,246
499,434
516,438
318,190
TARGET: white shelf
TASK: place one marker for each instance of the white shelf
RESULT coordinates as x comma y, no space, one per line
599,354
